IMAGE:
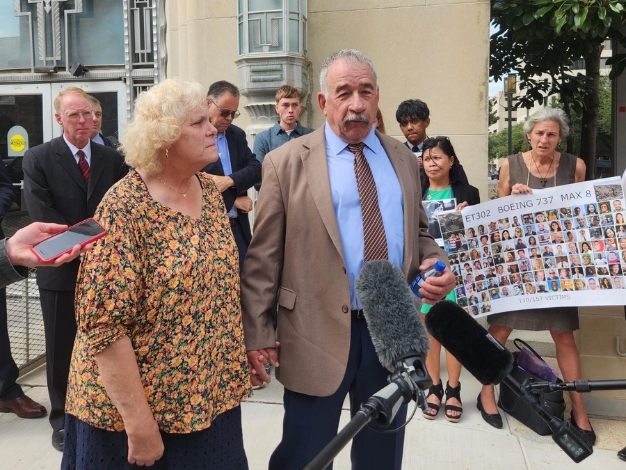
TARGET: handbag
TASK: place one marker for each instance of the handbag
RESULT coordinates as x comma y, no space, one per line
513,404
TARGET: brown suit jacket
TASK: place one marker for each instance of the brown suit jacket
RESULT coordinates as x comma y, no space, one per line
296,252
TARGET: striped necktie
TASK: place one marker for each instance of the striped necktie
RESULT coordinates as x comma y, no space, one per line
374,239
83,165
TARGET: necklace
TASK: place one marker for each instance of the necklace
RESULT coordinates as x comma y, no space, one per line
184,194
543,180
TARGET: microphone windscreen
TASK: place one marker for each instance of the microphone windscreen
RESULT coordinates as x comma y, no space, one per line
469,342
392,319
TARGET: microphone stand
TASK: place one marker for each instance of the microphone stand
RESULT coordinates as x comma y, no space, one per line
563,434
406,383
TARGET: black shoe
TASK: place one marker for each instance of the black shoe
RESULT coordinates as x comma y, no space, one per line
494,420
622,453
588,436
57,439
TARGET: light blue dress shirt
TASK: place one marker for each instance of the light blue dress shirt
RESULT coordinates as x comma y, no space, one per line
222,148
345,195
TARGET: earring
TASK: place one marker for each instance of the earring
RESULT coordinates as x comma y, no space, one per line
167,153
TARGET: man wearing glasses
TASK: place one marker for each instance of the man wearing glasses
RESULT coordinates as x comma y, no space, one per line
237,169
64,181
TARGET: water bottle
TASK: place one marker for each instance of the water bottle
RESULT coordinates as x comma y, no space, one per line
436,271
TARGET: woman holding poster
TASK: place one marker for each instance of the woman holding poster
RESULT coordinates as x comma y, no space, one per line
543,166
445,181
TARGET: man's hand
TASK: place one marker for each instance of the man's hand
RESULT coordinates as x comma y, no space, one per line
257,360
223,182
18,246
145,445
244,204
435,288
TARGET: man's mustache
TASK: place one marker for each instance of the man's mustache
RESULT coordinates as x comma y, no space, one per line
356,117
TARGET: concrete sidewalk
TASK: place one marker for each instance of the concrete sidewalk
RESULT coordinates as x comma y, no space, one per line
430,445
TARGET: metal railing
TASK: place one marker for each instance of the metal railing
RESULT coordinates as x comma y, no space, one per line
25,322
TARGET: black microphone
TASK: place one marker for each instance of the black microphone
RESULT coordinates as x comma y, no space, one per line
390,312
469,343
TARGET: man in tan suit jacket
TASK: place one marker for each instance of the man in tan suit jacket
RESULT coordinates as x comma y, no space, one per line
306,249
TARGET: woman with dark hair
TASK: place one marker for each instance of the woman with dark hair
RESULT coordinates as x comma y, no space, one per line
555,227
542,166
532,241
591,209
444,178
506,235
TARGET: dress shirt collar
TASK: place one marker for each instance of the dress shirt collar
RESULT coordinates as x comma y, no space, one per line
336,144
74,149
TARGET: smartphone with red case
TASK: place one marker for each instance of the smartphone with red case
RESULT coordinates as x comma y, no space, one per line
82,234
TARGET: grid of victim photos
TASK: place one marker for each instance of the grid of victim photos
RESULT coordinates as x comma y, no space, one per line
572,248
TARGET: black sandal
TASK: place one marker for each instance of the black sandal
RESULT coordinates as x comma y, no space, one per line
436,390
453,392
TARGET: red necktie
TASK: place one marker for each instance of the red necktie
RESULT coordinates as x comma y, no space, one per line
83,165
374,240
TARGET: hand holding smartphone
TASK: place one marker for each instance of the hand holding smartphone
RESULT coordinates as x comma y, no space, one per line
82,234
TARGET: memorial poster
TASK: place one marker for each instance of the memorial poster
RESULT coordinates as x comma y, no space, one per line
562,246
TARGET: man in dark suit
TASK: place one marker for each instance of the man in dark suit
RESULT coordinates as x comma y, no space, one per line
64,181
96,135
12,398
237,169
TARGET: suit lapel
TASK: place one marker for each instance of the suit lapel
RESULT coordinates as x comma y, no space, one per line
95,170
65,158
315,163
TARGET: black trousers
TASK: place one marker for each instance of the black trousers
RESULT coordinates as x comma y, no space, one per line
59,323
9,372
311,422
240,240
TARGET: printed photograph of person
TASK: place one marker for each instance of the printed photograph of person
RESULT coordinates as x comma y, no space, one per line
585,247
540,276
517,289
567,285
596,232
564,273
606,219
494,294
605,283
581,222
542,288
532,241
516,279
534,253
503,224
549,262
621,230
504,292
590,271
481,230
553,286
459,292
529,288
518,232
583,235
604,207
609,232
610,244
557,237
524,265
462,302
492,226
552,215
618,282
602,270
615,270
565,212
619,218
624,257
574,260
587,259
568,224
579,284
577,273
513,268
598,246
577,210
544,239
540,217
593,221
529,230
504,281
572,248
591,209
570,236
617,205
562,262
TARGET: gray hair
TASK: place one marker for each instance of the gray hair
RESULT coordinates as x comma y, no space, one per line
349,55
548,114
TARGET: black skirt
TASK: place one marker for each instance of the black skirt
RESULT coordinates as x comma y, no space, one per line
219,447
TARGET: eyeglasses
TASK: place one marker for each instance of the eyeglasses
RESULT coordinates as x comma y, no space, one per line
75,115
225,112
